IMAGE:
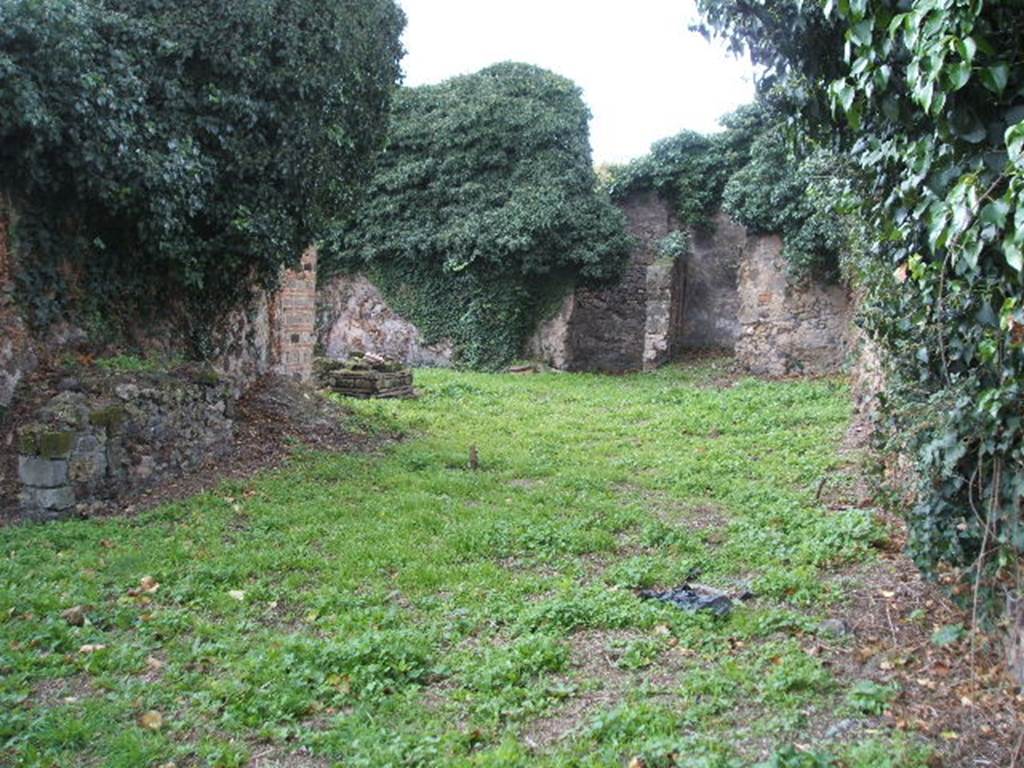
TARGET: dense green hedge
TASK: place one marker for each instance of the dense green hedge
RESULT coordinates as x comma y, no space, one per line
483,209
182,147
755,172
925,98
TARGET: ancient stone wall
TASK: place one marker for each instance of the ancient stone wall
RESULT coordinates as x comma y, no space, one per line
789,326
731,291
711,301
353,316
103,433
629,326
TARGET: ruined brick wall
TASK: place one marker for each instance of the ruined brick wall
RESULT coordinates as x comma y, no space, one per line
273,332
293,321
789,326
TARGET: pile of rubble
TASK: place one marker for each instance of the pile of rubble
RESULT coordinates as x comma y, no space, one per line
365,375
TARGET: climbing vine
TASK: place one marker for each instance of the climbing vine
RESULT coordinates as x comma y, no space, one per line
927,98
181,148
483,207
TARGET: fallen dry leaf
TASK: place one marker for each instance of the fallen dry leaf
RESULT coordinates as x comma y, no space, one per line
92,648
74,616
147,586
152,720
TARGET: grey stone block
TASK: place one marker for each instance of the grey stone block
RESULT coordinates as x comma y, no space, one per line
42,473
55,498
88,468
46,500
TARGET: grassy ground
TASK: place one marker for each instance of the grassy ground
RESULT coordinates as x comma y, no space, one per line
405,610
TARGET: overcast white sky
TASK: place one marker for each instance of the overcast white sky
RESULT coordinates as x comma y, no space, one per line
643,74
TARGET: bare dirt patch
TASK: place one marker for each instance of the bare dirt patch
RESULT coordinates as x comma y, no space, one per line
278,757
957,695
706,516
61,690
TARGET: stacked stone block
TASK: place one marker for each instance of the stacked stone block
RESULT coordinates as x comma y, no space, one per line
43,459
365,377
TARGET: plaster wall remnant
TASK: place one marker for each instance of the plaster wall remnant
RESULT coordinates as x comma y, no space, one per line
551,341
353,316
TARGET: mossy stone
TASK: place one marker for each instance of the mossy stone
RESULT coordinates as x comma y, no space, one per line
28,445
207,377
54,445
109,418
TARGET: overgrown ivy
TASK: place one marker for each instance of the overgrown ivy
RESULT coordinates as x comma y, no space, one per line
482,209
927,98
754,171
176,148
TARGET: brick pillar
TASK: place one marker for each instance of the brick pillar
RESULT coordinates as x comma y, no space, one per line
294,320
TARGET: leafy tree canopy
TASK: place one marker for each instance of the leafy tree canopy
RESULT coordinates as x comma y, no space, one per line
187,144
483,207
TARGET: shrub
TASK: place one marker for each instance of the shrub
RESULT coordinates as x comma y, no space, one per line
483,209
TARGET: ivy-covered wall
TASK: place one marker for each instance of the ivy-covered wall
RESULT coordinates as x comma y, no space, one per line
167,157
483,211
